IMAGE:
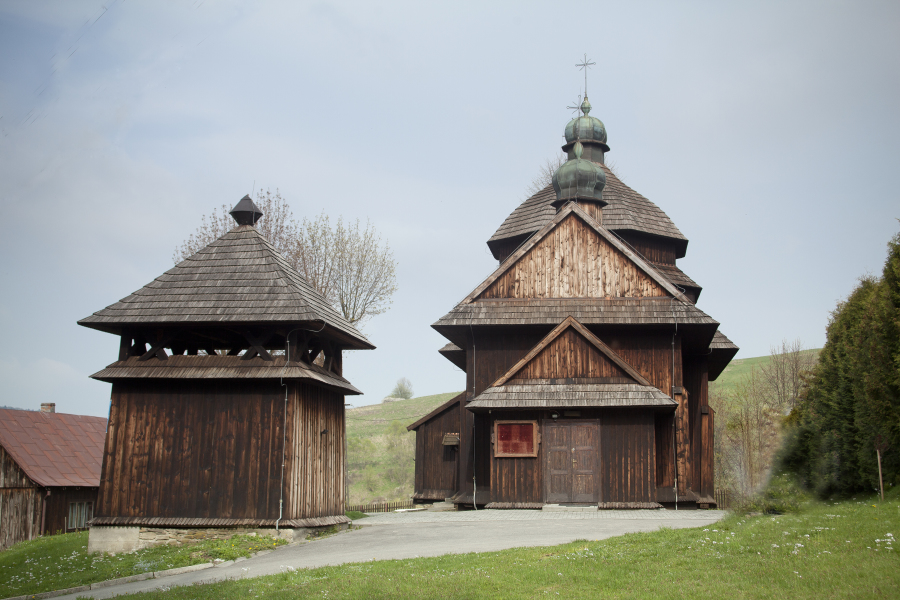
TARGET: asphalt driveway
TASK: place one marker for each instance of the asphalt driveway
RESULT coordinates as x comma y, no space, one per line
417,534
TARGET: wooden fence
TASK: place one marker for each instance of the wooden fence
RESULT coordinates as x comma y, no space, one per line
379,507
722,498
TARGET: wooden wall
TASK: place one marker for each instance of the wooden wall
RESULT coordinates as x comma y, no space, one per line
627,456
570,356
314,463
650,355
573,261
58,506
436,464
652,248
626,469
20,504
213,449
517,479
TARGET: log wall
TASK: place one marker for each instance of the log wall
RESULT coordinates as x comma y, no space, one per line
436,464
573,261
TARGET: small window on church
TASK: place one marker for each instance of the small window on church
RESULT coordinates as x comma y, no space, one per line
515,439
79,514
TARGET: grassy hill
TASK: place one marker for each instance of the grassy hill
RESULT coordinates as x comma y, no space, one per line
381,451
740,368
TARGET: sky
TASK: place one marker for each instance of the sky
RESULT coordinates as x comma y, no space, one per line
767,131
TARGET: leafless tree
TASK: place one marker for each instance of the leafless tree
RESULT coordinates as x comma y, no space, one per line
347,263
782,376
545,174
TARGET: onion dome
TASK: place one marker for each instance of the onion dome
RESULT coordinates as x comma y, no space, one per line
579,179
586,128
245,212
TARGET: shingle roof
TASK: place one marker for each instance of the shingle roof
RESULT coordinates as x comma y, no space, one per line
239,278
675,275
627,210
721,351
576,395
54,449
589,311
454,354
222,367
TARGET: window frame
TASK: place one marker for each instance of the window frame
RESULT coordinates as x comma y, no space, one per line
536,438
84,509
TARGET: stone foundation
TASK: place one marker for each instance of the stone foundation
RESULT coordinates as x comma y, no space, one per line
128,538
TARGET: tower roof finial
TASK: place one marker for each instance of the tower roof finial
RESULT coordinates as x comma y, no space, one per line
246,212
584,65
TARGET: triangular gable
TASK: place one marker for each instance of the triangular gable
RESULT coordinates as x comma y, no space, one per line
573,256
571,351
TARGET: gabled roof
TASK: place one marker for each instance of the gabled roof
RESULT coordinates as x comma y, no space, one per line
572,209
54,449
571,323
627,211
449,403
238,279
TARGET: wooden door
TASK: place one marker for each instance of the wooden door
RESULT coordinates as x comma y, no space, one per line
571,449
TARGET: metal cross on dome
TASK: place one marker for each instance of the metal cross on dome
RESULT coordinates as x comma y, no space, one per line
584,66
577,106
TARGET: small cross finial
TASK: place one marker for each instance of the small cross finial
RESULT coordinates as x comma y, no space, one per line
584,66
576,106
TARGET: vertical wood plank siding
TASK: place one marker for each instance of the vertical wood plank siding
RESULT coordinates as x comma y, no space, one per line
516,479
213,449
436,464
314,469
573,261
708,462
652,248
20,503
627,456
570,355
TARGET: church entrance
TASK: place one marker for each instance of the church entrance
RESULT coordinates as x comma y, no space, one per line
571,451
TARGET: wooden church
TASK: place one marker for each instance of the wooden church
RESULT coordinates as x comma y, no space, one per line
587,360
227,403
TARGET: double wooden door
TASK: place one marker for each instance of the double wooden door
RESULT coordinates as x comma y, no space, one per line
571,467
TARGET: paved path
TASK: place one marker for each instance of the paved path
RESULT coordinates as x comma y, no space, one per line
417,534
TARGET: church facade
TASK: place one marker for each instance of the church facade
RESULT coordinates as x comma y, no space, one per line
587,359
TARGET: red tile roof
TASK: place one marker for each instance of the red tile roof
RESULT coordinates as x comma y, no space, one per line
54,449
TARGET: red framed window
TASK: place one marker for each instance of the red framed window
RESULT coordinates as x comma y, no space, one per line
514,439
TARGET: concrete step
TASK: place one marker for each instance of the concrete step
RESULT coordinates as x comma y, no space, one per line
569,508
442,507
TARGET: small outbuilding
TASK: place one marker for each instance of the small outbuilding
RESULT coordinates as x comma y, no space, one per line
49,472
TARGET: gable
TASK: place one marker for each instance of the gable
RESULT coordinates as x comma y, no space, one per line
571,351
573,259
571,356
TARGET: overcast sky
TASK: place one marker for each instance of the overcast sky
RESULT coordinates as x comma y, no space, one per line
768,132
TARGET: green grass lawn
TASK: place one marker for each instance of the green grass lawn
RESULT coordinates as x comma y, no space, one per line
62,561
374,420
833,550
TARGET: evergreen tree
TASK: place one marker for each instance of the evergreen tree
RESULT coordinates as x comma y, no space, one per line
853,397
